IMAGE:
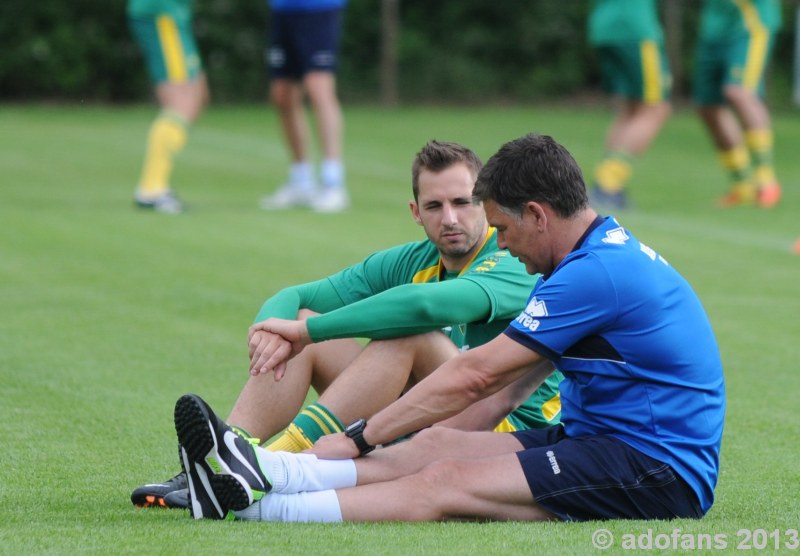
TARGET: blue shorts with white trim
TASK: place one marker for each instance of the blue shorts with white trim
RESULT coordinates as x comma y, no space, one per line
303,42
601,477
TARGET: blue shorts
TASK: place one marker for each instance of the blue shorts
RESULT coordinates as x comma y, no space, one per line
303,42
601,477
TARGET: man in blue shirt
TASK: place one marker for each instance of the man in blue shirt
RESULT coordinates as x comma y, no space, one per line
302,59
643,398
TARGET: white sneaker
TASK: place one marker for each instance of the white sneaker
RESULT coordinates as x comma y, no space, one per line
334,199
288,196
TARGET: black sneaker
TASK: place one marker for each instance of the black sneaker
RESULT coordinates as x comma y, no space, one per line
224,473
154,494
201,500
178,499
167,203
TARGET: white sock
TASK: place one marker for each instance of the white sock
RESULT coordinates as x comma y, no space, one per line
303,507
301,175
332,173
291,473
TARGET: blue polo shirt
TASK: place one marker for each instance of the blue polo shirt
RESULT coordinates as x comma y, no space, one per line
305,5
637,351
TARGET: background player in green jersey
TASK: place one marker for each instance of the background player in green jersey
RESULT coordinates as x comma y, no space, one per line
735,44
630,46
163,29
420,303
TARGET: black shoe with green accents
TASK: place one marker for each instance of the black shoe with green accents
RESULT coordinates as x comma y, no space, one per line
221,462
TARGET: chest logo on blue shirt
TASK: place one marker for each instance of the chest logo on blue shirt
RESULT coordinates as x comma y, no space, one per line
617,236
529,318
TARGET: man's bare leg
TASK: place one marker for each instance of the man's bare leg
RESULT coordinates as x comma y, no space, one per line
636,126
757,125
439,474
287,96
382,371
374,379
428,446
266,406
727,136
485,488
722,125
320,86
442,474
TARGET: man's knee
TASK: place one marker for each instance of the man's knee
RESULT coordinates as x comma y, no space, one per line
444,486
424,342
283,94
737,95
320,85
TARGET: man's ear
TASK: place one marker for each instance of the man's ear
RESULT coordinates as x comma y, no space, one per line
415,212
537,212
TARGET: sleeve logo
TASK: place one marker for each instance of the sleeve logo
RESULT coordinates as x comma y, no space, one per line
536,308
617,236
529,317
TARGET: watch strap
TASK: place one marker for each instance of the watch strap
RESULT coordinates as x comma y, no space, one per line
355,431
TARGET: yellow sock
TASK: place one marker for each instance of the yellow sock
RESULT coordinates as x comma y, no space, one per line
166,139
736,163
613,172
760,144
292,440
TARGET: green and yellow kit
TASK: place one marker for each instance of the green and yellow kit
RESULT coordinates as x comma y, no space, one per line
405,290
629,41
163,29
735,44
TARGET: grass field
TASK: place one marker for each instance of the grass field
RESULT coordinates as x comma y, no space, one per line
109,314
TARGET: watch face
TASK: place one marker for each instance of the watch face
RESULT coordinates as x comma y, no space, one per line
354,426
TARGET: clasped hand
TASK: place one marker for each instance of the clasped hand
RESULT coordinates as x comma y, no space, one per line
273,342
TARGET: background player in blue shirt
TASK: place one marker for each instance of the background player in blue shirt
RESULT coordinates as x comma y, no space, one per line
643,398
302,59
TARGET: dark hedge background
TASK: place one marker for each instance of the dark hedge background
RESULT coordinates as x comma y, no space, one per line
454,51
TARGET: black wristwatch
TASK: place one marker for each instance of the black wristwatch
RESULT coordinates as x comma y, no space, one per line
355,431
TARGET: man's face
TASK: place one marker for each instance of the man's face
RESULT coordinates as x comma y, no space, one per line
519,237
452,221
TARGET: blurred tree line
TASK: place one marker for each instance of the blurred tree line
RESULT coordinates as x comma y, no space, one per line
455,51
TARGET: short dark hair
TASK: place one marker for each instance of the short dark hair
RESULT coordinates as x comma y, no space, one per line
436,156
533,168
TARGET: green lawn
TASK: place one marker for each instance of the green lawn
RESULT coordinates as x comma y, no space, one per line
109,314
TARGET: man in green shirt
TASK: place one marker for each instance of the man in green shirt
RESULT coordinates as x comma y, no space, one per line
629,42
736,39
419,303
163,30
